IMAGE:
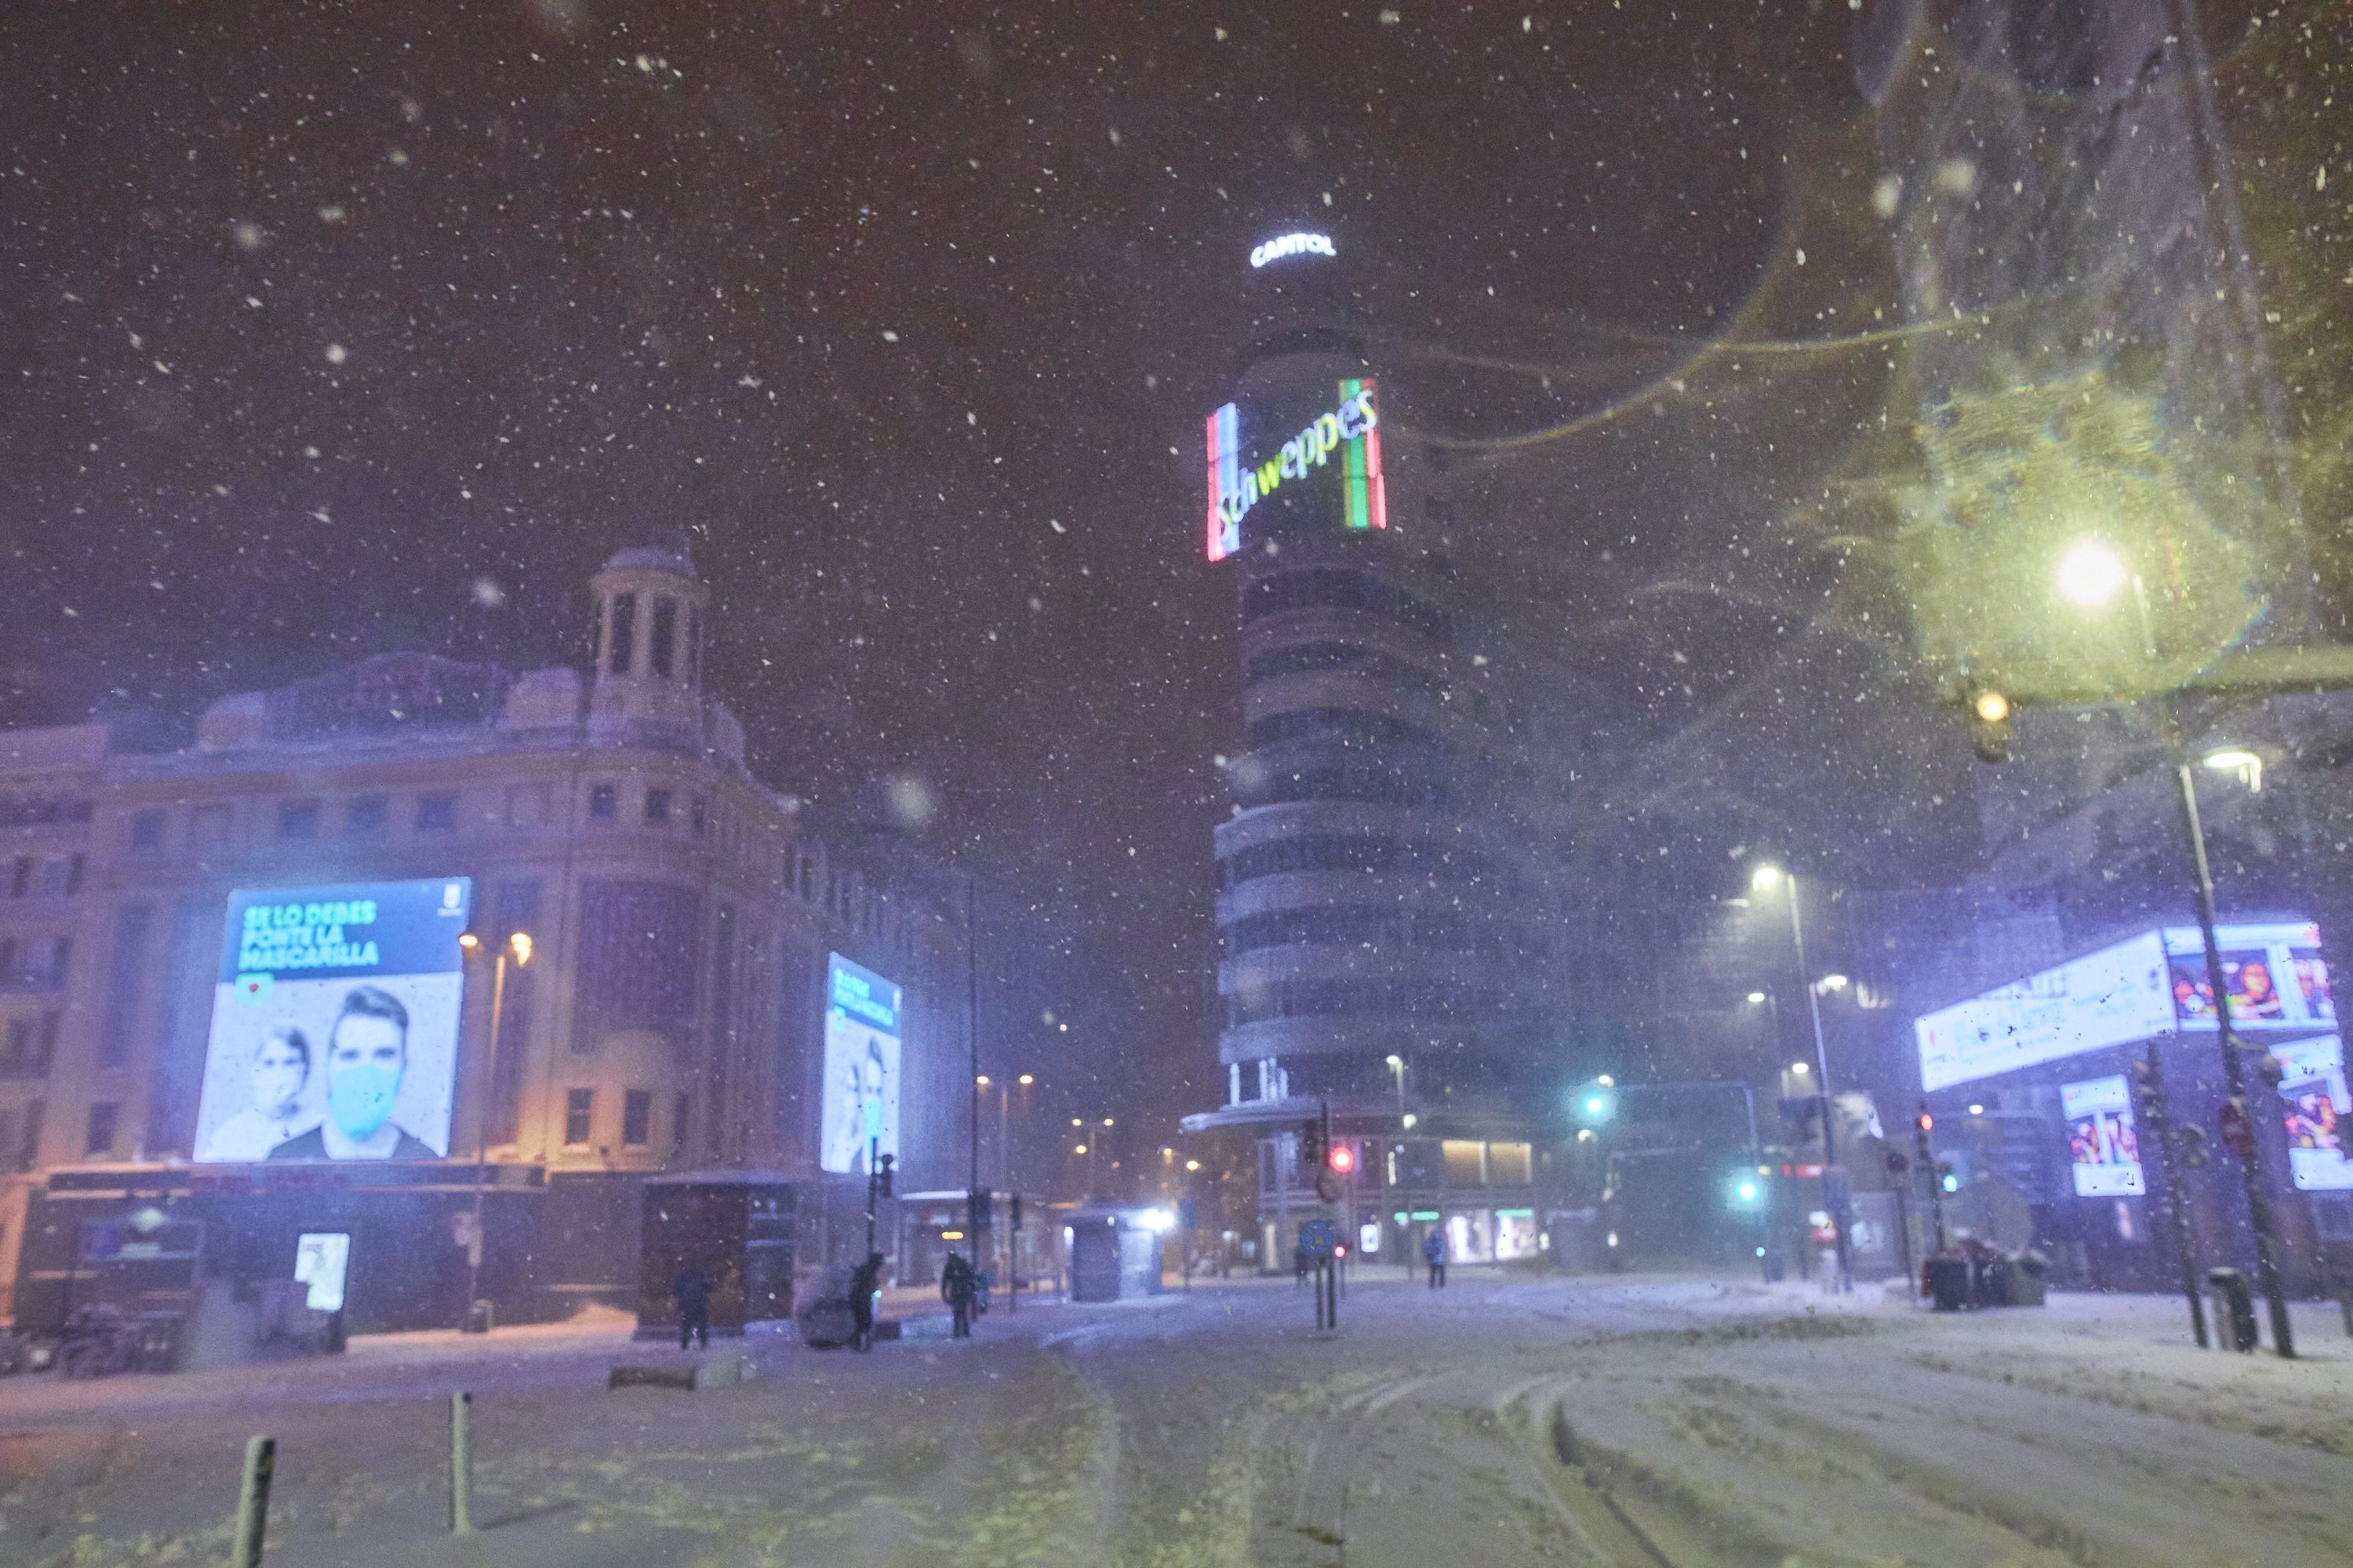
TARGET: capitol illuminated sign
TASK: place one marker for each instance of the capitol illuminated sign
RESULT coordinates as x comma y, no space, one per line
1292,245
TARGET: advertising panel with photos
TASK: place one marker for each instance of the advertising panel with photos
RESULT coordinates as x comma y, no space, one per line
2101,1139
2275,974
335,1022
859,1114
2311,1082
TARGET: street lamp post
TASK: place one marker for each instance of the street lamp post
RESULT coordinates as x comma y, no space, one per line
2091,574
518,946
2235,1078
1764,881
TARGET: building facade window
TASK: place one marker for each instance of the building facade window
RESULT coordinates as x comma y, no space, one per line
604,802
131,928
147,830
637,1118
27,1151
665,643
579,1105
436,812
528,804
656,805
621,647
20,877
99,1142
28,1045
298,819
366,816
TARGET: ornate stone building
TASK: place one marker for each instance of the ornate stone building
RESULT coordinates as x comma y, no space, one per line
684,920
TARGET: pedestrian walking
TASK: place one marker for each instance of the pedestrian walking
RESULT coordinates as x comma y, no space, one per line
862,1282
956,1288
1433,1252
692,1290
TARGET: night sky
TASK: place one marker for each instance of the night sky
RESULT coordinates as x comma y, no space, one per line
336,330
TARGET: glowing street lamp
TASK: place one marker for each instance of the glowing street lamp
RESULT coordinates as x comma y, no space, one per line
2246,765
2091,574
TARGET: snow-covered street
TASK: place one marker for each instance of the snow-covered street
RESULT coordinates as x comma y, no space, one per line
1634,1421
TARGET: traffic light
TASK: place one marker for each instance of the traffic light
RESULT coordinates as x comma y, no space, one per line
1013,1203
1747,1190
1990,725
1342,1159
883,1165
1310,1145
1596,1103
979,1205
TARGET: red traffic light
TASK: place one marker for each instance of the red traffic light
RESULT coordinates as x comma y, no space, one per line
1343,1159
1925,1122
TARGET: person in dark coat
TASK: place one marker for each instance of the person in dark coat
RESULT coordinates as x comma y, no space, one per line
1433,1252
862,1282
957,1288
692,1290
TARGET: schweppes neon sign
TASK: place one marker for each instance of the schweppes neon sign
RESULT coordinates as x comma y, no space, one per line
1348,439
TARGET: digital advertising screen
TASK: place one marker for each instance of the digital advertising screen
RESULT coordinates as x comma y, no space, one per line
1313,459
322,1259
2311,1082
860,1107
334,1026
2101,1138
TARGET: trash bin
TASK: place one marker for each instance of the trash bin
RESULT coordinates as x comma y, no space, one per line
1948,1279
2233,1305
479,1318
1993,1282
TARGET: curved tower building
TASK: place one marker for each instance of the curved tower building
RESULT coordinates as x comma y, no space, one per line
1384,886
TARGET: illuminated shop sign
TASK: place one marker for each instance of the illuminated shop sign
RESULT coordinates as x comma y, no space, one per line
1340,443
1292,245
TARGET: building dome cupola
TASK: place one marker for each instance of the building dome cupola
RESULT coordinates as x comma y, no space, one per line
649,636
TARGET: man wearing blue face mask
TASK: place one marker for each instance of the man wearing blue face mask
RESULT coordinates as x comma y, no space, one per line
367,1050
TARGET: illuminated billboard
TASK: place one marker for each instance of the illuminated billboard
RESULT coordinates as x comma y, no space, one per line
334,1027
2101,1138
2274,974
2152,984
861,1105
2311,1082
1319,463
2111,997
